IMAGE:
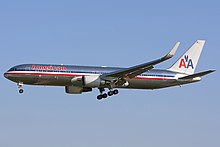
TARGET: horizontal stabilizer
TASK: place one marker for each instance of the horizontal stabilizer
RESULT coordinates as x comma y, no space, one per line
200,74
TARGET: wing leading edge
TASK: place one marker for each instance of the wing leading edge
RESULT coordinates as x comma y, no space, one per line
139,69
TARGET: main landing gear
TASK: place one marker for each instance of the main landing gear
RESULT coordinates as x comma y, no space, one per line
20,87
104,95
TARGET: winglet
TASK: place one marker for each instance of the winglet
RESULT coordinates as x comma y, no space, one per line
138,69
173,51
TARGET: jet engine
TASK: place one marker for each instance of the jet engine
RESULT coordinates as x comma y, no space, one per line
77,81
92,81
76,89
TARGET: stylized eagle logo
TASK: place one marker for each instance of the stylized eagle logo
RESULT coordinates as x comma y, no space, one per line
186,62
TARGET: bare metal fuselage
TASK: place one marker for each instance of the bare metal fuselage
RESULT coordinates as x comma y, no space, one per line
79,79
61,75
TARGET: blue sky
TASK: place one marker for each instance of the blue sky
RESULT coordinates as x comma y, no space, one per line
111,33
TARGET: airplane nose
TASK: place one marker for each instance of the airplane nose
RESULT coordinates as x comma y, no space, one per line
6,75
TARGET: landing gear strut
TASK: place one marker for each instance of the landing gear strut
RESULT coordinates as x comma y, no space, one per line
104,95
20,87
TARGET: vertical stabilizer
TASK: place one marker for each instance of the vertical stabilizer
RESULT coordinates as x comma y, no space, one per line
187,63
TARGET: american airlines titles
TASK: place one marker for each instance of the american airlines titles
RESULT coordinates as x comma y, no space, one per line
49,67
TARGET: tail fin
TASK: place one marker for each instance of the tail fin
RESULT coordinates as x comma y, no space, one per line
187,63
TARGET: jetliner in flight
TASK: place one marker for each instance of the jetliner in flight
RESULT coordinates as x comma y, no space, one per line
79,79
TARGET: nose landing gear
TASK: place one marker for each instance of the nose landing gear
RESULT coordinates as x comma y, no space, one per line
20,87
21,90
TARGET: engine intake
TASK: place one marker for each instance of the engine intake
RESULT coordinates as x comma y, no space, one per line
92,81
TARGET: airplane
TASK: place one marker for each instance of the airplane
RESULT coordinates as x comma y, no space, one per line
80,79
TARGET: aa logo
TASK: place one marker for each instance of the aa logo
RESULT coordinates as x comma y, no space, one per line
186,62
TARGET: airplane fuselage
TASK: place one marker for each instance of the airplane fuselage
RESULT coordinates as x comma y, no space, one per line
79,79
61,75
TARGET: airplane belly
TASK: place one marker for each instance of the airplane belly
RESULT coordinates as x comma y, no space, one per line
149,84
31,79
24,78
54,81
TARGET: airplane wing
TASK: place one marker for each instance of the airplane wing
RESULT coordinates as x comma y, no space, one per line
139,69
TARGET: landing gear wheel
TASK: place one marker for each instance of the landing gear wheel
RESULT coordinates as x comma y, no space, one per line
115,91
104,95
110,93
21,90
99,97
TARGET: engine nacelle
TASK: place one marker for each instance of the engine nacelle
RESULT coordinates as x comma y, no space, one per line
92,81
77,81
76,89
125,84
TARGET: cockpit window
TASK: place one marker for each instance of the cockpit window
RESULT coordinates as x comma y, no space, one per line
13,69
